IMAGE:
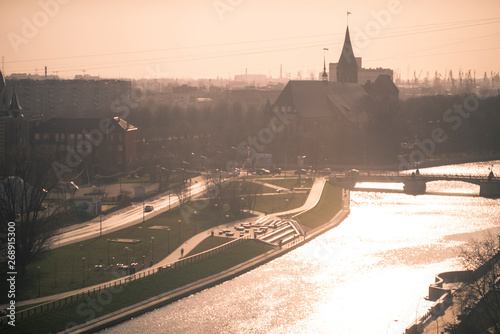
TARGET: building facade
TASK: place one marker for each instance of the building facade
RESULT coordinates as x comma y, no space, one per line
69,98
102,145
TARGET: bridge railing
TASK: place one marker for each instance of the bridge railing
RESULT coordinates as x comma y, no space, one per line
458,177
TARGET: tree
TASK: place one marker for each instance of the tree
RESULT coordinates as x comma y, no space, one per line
479,297
24,189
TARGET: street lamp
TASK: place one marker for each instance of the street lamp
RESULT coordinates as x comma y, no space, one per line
152,249
143,194
195,214
100,216
38,268
168,239
83,271
126,255
108,250
179,229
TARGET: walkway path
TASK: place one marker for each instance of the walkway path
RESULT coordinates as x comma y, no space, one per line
311,201
188,245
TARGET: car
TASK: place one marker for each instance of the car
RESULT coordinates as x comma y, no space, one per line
148,208
262,171
275,171
325,171
352,173
300,171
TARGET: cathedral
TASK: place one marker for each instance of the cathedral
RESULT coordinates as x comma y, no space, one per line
342,106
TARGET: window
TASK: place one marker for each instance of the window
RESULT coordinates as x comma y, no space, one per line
56,137
79,136
37,136
63,136
46,136
119,148
71,136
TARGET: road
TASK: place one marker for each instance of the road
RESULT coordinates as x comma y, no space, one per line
123,218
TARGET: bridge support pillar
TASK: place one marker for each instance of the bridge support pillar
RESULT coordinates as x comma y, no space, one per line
489,189
414,187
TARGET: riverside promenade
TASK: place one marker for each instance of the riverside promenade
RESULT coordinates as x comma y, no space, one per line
176,294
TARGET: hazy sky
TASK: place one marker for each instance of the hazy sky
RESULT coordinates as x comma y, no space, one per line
207,38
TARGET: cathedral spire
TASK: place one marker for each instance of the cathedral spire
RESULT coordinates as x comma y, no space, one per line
347,68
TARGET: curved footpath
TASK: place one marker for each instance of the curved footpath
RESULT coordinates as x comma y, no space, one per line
176,294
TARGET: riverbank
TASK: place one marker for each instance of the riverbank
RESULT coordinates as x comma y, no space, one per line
167,297
171,296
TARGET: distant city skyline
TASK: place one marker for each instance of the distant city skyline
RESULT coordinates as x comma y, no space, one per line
209,39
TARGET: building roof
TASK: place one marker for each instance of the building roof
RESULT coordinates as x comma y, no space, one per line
79,124
385,83
318,99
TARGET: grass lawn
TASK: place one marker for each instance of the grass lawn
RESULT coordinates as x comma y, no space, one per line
209,243
63,269
139,290
279,203
291,182
259,188
329,204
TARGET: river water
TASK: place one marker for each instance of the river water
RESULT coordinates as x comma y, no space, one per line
368,275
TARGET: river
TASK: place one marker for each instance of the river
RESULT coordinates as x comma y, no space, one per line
368,275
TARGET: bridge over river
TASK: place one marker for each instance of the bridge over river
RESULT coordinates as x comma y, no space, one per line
415,183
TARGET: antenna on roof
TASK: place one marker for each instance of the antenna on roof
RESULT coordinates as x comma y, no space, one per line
348,17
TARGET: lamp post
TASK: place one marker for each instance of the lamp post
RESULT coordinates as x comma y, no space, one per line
100,216
179,229
195,214
152,249
108,250
143,194
168,239
83,271
126,255
38,269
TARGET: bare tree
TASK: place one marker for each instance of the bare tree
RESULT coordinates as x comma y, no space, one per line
24,188
479,297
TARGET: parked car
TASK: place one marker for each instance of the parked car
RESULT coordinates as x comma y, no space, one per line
352,173
148,208
262,171
275,171
325,171
300,171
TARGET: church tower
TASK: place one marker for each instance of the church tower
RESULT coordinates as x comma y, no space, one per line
347,68
324,76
